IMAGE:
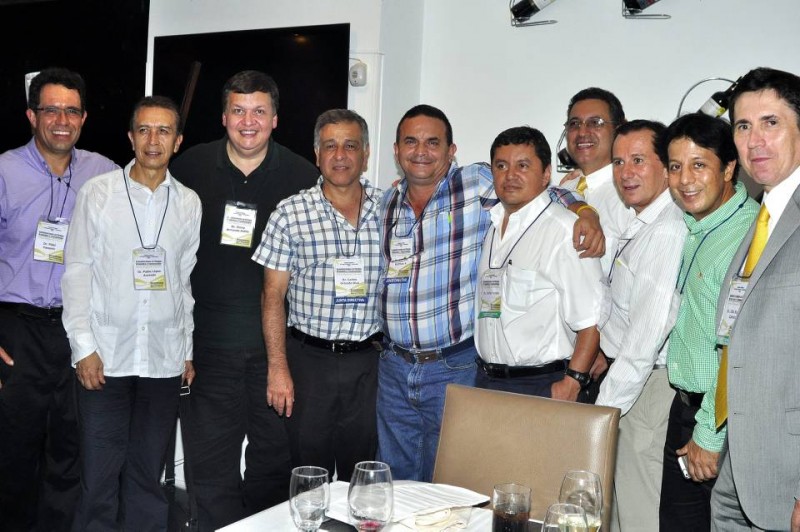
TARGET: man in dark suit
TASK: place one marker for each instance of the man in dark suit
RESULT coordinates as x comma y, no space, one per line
758,394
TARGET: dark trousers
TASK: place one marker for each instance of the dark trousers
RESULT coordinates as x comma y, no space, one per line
39,474
538,385
228,401
125,428
685,504
333,424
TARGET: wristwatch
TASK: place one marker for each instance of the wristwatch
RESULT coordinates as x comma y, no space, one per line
583,378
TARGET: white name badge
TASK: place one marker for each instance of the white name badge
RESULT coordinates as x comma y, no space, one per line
48,246
150,269
399,269
490,294
238,224
349,279
732,305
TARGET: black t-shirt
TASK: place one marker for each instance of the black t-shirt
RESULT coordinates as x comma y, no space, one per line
226,282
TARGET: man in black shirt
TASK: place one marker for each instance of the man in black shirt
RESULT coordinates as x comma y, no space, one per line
240,179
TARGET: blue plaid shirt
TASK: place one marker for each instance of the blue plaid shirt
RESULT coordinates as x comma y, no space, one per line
434,307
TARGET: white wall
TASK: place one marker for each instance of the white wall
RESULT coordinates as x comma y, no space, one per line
464,56
487,75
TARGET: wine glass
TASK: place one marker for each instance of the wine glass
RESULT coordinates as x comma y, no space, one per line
583,489
370,497
309,494
563,517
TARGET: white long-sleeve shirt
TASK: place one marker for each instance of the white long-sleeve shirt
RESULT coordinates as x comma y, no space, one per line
643,281
615,217
146,333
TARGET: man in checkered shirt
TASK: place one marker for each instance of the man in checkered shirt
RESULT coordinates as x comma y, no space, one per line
321,247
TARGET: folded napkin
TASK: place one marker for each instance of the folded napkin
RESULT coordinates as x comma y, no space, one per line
448,519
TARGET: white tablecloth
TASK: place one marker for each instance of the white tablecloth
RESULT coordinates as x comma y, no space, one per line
278,519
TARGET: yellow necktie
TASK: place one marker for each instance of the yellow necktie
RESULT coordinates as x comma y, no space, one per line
581,188
760,237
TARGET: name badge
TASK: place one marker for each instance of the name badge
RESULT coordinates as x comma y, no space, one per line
349,279
490,294
401,251
150,269
48,246
238,224
732,306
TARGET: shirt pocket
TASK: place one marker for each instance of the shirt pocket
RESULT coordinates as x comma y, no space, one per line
523,288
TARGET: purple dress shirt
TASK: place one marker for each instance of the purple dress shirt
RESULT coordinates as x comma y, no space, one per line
29,192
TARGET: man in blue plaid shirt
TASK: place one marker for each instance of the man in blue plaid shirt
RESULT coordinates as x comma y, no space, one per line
321,247
433,226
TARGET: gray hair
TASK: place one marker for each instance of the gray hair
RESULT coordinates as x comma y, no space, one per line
337,116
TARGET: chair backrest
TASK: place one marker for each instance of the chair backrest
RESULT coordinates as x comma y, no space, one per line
490,437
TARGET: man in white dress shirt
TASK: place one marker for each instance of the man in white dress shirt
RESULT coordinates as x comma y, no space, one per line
539,304
128,315
642,277
593,115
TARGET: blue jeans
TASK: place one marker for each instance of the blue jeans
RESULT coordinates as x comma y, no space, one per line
410,403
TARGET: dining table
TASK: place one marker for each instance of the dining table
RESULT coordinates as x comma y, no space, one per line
279,519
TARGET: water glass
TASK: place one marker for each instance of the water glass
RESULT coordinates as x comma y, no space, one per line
583,488
309,495
563,517
370,497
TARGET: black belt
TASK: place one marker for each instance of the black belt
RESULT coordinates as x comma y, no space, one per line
338,346
417,356
693,399
502,371
32,311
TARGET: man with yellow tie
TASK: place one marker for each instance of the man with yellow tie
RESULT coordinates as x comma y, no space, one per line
593,116
758,394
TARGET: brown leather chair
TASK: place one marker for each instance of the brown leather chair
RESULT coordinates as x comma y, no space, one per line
490,437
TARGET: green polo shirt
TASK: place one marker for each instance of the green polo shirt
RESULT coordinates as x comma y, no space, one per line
692,359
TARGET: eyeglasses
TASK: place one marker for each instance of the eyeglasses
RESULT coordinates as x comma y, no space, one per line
51,111
595,122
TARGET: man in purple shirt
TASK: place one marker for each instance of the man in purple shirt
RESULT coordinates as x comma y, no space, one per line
39,481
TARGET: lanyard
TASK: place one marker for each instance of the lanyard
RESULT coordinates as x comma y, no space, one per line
510,251
135,221
67,181
616,256
694,255
357,244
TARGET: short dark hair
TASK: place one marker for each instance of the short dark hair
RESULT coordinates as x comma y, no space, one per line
337,116
56,76
707,132
524,135
431,112
653,126
594,93
157,101
785,84
248,82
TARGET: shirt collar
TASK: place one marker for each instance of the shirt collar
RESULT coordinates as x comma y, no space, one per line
600,176
524,215
715,218
36,157
135,185
777,198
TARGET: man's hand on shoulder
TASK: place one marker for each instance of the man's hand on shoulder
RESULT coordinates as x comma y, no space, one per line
89,371
587,234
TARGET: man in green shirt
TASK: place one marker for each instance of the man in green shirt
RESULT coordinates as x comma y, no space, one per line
701,161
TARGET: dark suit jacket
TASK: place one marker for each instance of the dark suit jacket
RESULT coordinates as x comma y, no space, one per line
764,376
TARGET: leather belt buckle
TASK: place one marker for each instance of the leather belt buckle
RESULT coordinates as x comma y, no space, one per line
423,357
